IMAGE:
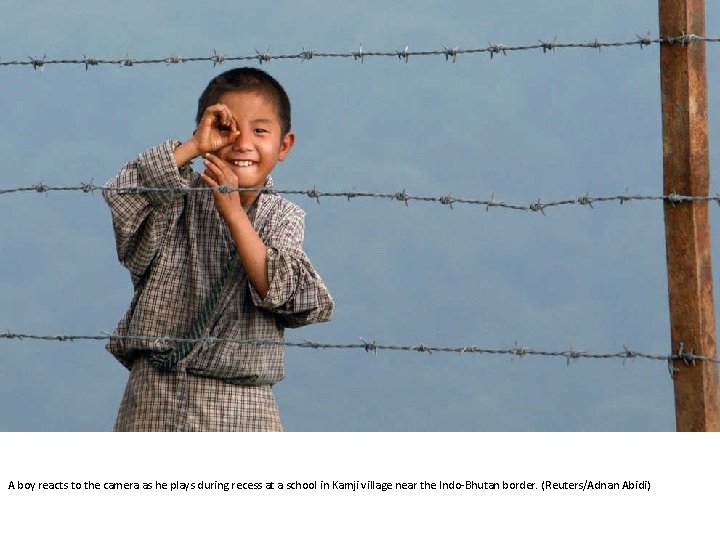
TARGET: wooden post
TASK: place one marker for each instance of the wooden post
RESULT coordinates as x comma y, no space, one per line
686,169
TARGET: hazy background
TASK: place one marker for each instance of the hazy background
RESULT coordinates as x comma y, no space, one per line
524,126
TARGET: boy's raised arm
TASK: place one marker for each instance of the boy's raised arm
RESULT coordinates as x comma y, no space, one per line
185,153
140,219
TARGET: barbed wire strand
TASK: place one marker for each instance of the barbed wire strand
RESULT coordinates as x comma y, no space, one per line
404,54
402,196
374,347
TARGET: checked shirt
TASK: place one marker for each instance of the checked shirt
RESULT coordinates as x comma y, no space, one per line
176,245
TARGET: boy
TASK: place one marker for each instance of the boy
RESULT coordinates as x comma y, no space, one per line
212,264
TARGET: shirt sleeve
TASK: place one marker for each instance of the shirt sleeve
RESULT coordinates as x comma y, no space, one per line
141,219
297,294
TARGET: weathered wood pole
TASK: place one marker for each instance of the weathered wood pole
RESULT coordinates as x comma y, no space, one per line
686,169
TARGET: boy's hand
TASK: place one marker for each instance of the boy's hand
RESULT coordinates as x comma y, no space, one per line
218,173
217,128
250,247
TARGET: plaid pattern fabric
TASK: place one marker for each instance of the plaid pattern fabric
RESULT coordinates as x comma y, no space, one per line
176,246
178,401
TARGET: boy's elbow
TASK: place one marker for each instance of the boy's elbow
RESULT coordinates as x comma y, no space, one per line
324,314
324,307
320,314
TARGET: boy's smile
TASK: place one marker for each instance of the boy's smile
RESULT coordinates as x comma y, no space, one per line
260,143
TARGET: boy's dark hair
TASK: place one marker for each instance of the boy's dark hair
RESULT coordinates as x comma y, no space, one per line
246,79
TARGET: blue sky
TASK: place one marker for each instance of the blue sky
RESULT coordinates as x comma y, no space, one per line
523,126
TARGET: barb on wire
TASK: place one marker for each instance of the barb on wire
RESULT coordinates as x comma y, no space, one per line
217,58
492,50
306,54
516,351
263,57
450,53
537,206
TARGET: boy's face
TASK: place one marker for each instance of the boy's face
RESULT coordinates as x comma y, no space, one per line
260,144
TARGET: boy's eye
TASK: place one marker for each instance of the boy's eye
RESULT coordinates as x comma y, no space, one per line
260,130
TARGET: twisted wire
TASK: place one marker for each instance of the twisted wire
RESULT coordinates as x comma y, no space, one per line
401,196
404,54
517,351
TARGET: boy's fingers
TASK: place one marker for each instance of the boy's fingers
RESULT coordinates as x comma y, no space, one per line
213,160
215,108
218,172
213,115
219,111
213,168
211,182
210,115
220,169
217,162
208,180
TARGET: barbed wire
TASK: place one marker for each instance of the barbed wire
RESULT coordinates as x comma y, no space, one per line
374,347
514,352
404,54
401,196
